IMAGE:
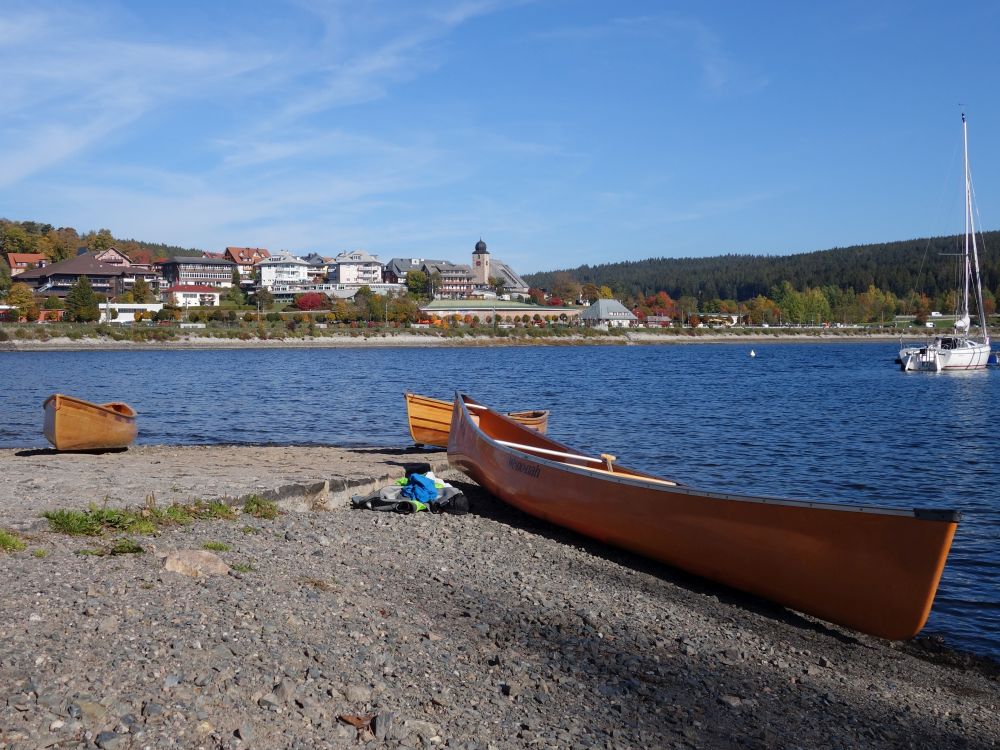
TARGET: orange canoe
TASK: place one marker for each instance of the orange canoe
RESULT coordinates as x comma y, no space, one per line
72,424
430,419
873,569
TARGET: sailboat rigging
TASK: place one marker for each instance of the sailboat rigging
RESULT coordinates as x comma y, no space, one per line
959,351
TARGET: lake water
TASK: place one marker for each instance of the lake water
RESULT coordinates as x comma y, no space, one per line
817,421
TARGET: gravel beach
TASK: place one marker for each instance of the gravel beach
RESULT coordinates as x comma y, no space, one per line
407,340
332,627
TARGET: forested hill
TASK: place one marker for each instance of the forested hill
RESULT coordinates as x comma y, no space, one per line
896,267
65,242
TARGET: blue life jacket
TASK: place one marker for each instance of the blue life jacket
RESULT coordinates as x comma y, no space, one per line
420,488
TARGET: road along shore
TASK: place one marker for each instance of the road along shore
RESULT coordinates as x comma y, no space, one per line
326,624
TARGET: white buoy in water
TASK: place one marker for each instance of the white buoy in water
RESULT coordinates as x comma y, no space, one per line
753,353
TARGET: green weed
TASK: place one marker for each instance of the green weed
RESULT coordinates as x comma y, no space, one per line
258,507
216,546
10,542
243,567
146,520
122,546
39,553
95,521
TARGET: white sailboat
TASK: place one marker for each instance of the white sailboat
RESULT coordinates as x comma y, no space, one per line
959,351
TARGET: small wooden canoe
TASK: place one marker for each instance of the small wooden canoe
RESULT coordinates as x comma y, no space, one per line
873,569
430,419
72,424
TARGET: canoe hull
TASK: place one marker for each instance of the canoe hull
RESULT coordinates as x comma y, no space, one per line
874,570
430,419
72,424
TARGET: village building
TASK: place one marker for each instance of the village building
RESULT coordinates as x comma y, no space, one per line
246,258
449,280
192,295
183,270
357,267
20,262
486,270
285,295
503,311
608,313
59,278
319,267
124,312
395,270
283,269
113,257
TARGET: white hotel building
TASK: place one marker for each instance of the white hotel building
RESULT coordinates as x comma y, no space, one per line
283,269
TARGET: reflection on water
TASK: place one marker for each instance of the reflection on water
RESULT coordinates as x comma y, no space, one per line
819,421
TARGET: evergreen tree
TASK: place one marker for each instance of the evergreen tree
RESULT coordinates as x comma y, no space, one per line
81,302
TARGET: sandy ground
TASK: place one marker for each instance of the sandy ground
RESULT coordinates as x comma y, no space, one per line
35,480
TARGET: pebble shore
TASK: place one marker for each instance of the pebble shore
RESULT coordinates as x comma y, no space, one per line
408,340
328,627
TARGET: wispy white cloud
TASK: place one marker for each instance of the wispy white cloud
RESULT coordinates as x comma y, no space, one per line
720,72
69,85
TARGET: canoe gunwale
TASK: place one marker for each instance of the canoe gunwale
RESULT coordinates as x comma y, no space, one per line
931,514
90,405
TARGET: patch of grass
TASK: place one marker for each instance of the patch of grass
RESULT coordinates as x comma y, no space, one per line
216,546
39,553
243,568
219,510
250,530
122,546
10,542
147,520
125,547
95,521
258,507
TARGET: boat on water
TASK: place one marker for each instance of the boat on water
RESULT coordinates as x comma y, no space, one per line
72,424
430,419
961,350
873,569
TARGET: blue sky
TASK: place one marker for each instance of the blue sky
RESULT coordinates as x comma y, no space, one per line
561,131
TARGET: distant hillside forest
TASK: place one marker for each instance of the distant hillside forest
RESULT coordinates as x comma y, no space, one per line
65,242
908,277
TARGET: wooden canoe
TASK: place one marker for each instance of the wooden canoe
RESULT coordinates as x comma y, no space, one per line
72,424
873,569
430,419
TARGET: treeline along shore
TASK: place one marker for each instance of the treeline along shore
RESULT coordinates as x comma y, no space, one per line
229,597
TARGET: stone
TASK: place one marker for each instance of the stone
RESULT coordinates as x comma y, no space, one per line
358,693
108,624
382,724
195,563
110,740
244,732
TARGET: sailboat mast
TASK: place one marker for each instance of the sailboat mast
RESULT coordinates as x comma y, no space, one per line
971,251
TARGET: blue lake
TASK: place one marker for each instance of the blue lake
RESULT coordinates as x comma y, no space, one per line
817,421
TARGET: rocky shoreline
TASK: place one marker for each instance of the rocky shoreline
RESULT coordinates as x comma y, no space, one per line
332,627
62,343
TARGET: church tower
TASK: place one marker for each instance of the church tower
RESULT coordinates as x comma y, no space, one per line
481,264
